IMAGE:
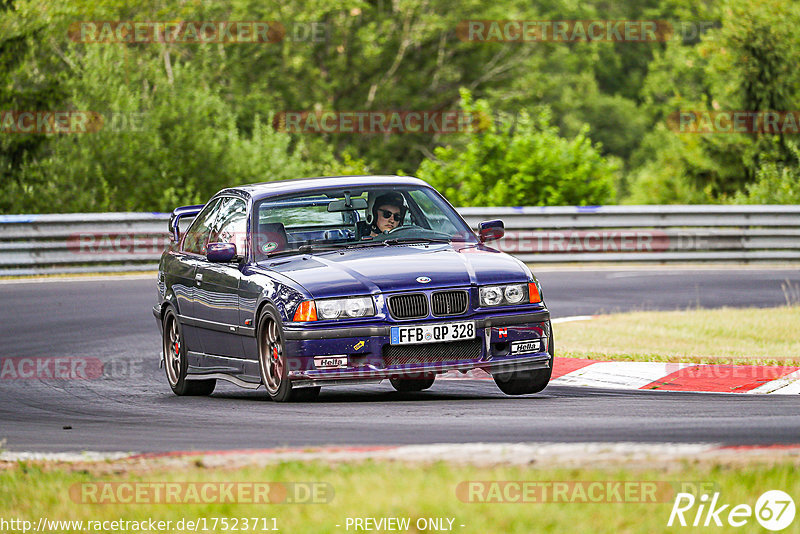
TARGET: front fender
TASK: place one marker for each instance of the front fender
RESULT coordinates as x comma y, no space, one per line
260,287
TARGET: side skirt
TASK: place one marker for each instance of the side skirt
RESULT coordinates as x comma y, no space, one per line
229,378
243,373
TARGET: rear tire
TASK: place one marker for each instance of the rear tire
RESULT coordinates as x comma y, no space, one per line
175,362
273,363
406,385
527,382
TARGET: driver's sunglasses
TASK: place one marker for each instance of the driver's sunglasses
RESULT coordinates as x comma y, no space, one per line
391,214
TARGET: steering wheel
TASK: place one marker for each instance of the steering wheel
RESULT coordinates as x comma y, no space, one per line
403,227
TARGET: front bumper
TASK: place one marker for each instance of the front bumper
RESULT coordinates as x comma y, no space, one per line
365,351
157,316
326,377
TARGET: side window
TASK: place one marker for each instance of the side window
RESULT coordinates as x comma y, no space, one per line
197,234
437,219
231,224
301,212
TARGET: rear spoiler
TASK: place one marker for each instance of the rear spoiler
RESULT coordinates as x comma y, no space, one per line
180,213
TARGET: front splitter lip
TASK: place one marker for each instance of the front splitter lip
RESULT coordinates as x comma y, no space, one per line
499,365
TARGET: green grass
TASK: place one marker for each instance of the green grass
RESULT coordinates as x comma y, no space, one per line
764,336
387,489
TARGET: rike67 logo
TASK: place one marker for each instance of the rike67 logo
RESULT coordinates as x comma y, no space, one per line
774,510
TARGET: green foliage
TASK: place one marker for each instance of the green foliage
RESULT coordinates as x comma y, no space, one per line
683,168
745,63
166,141
585,122
519,161
776,182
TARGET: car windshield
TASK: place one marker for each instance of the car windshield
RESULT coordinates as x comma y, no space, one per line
357,217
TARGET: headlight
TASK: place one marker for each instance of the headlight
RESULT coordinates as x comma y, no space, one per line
491,296
503,295
345,308
514,293
360,307
329,309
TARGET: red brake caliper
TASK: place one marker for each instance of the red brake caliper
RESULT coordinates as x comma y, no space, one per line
177,350
275,353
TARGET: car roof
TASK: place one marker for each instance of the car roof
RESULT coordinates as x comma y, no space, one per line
298,185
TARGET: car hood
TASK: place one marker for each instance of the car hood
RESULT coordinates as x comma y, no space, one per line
398,268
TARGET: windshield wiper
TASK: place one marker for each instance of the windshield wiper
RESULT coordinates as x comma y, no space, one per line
302,249
314,249
404,240
360,244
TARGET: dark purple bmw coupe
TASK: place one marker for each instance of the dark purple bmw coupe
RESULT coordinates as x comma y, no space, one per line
314,282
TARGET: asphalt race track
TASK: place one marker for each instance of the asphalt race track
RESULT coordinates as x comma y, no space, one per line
130,408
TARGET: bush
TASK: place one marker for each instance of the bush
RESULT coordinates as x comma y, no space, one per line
776,182
519,161
185,147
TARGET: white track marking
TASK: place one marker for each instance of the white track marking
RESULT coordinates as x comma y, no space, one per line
591,454
572,318
785,385
625,375
472,453
71,457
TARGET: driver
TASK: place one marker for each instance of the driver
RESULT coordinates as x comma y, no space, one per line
388,213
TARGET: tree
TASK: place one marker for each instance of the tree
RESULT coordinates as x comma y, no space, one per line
519,161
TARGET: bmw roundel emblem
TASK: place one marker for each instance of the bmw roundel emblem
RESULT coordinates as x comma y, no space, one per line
423,279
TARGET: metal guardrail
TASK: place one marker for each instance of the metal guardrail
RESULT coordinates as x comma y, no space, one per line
672,233
101,242
81,242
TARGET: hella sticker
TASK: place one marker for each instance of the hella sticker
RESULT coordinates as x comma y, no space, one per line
423,279
524,347
330,362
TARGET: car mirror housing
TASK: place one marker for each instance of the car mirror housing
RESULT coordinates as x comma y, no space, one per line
491,230
177,215
220,252
344,205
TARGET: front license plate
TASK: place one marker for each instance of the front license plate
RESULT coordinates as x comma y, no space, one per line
432,333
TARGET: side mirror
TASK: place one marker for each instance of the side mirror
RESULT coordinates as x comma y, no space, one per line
491,230
177,215
220,252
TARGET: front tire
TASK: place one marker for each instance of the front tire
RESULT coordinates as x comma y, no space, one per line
175,362
526,382
273,362
407,385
